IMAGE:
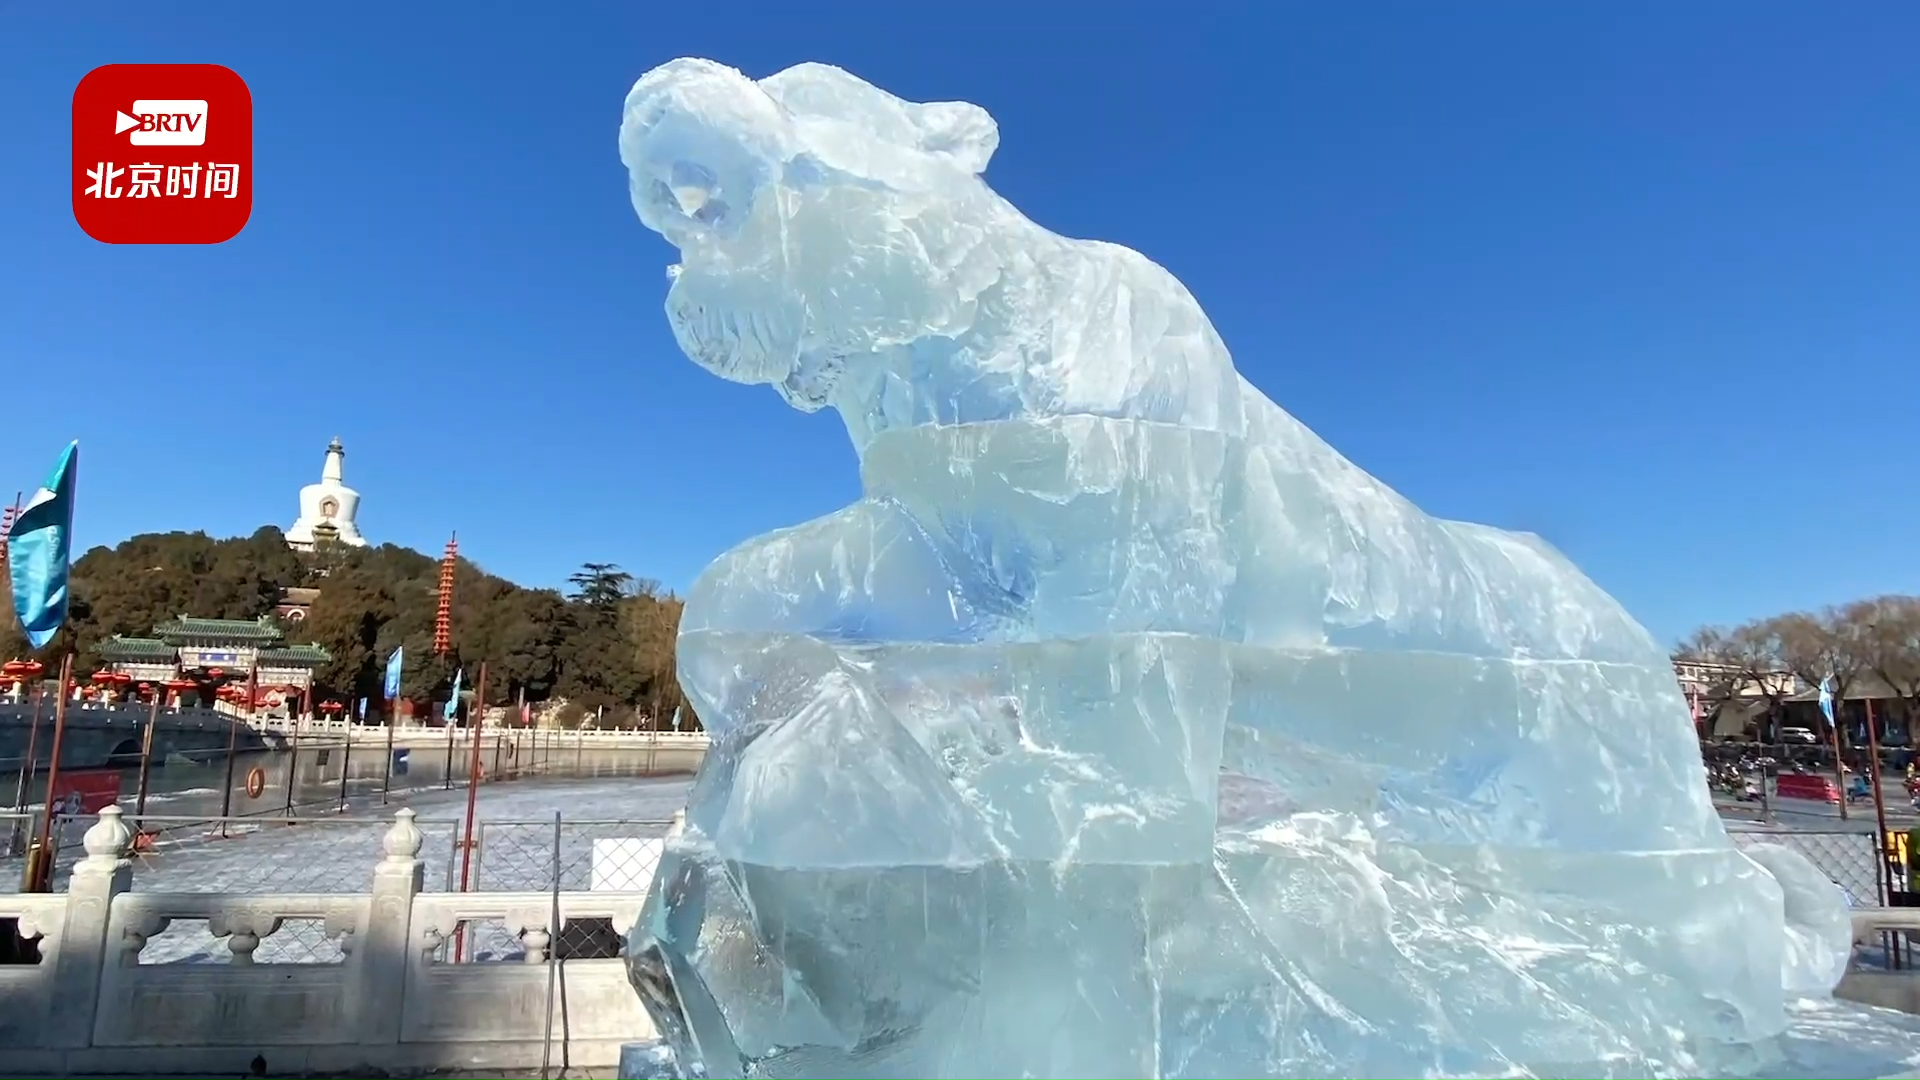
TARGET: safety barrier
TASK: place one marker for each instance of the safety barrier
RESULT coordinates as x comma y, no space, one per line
1805,786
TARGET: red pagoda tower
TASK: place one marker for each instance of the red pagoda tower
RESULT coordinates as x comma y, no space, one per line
443,618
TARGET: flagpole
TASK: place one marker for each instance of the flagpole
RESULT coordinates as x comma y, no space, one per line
233,741
22,835
525,721
146,753
1879,805
446,770
476,719
1832,708
447,719
476,722
293,755
29,767
392,688
386,779
41,869
346,763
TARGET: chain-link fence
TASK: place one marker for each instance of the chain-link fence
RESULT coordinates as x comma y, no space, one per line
20,837
318,770
340,767
336,854
268,855
555,855
572,855
1850,859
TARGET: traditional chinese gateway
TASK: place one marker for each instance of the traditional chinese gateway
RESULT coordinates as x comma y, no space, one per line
215,652
194,663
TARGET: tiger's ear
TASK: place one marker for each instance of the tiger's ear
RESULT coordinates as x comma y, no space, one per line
960,130
956,130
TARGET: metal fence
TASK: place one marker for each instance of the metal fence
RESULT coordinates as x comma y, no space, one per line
357,762
257,853
337,855
268,855
330,768
570,855
556,855
1851,859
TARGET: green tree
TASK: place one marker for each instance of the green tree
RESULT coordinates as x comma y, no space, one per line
601,586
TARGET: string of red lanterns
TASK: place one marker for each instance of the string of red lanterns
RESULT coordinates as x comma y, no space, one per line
20,671
106,682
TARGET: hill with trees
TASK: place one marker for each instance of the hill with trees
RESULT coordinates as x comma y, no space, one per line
607,643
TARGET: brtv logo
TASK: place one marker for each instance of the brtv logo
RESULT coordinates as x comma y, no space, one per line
162,154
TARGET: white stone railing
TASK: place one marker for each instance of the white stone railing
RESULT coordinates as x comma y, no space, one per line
26,990
559,736
229,708
1887,989
315,983
1868,921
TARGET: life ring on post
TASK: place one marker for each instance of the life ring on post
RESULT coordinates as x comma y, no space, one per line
256,782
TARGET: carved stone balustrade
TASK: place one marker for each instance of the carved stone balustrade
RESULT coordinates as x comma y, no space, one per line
309,982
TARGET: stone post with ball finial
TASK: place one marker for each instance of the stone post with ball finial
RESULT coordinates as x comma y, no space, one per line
397,878
104,872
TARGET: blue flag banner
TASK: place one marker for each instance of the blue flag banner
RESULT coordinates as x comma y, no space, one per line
1826,698
363,708
39,552
453,702
393,673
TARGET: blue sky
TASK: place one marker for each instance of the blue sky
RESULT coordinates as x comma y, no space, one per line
1638,276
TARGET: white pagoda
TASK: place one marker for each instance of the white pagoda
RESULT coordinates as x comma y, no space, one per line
327,508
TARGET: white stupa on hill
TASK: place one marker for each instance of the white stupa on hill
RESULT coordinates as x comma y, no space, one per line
327,508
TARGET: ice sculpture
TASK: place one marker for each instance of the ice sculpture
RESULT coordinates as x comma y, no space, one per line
1124,728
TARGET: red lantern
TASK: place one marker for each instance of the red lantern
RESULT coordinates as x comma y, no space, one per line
214,672
177,685
103,676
